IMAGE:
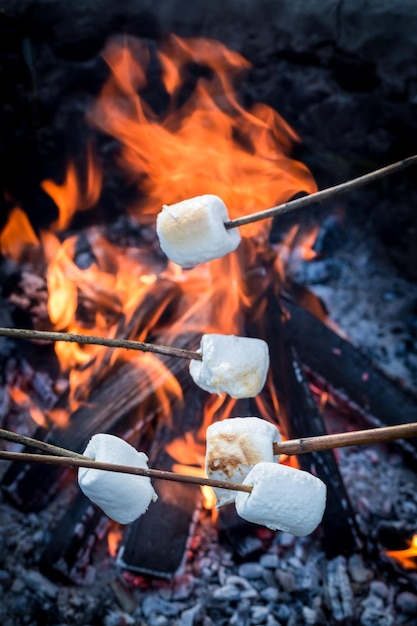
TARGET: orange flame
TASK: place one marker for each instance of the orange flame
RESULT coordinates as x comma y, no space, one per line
203,142
69,197
17,235
209,144
408,557
114,538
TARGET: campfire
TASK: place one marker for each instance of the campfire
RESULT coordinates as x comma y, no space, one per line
168,126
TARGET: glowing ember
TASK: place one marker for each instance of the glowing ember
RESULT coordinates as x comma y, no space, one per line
408,557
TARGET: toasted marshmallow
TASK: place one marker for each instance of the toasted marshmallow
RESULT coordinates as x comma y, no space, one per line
235,365
122,497
192,231
234,446
282,498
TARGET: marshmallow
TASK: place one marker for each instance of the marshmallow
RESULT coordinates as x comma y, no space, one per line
235,365
122,497
192,231
282,498
234,446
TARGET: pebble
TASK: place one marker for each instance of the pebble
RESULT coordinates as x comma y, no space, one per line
259,614
285,579
406,601
357,570
286,540
153,604
270,594
269,561
373,616
227,592
379,588
251,571
310,615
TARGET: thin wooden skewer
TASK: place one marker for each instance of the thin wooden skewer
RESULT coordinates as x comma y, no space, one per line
330,192
44,335
67,461
37,444
340,440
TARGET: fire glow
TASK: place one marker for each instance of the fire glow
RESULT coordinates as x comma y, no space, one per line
408,557
206,142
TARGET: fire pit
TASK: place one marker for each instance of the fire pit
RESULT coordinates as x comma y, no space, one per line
117,119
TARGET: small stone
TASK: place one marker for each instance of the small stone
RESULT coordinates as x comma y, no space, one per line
259,614
310,615
271,621
373,616
270,594
227,592
270,561
158,620
357,570
282,612
379,588
154,605
286,540
286,580
407,602
251,571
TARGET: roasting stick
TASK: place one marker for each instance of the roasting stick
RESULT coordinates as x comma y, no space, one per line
67,461
340,440
37,444
68,458
330,192
44,335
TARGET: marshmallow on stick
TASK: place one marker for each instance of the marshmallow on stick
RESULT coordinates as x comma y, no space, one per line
234,446
122,497
192,231
282,498
237,366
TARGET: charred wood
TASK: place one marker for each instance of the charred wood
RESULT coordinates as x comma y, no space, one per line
156,543
342,368
300,418
68,553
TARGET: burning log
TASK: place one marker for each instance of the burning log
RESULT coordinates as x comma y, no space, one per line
300,415
338,366
155,543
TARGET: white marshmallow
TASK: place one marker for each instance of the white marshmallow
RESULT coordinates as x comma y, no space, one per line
192,231
282,498
234,446
122,497
235,365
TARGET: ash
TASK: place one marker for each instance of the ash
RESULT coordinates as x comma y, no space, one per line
292,582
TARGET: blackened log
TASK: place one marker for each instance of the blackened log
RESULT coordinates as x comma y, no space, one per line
68,552
300,418
378,398
155,544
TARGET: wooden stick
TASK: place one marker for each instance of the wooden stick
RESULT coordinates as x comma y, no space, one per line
43,446
44,335
330,192
67,461
340,440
